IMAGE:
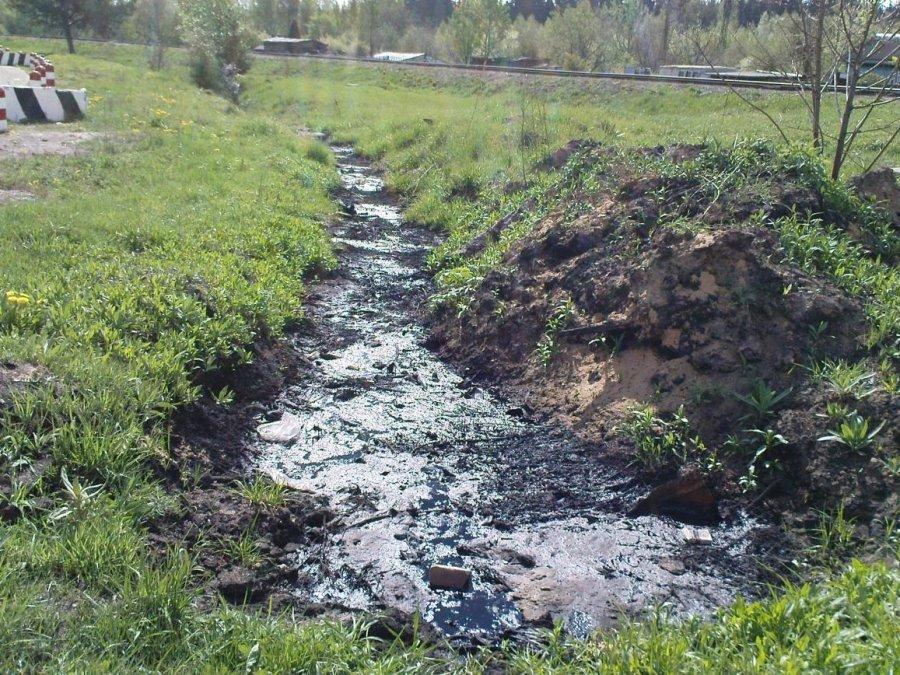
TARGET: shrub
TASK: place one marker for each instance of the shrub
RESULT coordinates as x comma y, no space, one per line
219,42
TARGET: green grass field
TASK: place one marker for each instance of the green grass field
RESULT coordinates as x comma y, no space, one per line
443,134
185,235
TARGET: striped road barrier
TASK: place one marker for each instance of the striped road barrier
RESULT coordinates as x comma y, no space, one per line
17,59
36,104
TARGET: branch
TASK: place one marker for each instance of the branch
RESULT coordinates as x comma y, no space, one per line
743,98
884,148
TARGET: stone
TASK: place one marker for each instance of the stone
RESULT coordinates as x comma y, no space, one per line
687,497
697,535
672,566
451,578
285,431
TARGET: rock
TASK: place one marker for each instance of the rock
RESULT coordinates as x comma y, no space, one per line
452,578
15,377
672,566
286,430
688,498
697,535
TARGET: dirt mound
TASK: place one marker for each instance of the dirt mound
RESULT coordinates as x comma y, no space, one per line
648,283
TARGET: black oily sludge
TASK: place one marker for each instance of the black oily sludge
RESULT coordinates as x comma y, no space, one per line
425,468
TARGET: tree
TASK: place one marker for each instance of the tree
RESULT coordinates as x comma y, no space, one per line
156,23
478,26
463,30
839,45
219,40
66,16
494,22
430,12
527,34
275,16
575,37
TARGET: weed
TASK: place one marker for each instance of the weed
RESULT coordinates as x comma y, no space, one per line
547,346
845,380
763,400
854,433
612,341
244,550
224,397
660,442
762,460
262,492
833,538
837,412
78,498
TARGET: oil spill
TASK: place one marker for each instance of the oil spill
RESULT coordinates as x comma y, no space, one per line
423,467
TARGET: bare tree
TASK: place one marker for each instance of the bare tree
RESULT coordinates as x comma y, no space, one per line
870,56
842,45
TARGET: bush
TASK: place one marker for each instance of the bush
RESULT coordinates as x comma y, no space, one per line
219,39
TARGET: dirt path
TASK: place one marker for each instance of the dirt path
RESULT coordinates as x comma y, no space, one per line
424,468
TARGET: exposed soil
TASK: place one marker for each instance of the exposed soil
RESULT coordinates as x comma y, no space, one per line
209,460
31,140
674,316
400,463
14,195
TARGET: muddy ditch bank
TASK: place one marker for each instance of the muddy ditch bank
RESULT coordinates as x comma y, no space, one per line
397,463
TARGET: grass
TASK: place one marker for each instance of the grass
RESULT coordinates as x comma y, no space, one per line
443,136
262,492
182,238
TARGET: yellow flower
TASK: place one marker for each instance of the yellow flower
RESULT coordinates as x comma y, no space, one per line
17,299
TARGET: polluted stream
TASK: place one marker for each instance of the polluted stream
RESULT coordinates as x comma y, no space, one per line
423,467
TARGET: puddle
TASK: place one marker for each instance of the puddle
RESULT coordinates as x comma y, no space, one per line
425,468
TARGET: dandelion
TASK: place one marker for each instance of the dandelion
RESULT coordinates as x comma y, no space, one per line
17,299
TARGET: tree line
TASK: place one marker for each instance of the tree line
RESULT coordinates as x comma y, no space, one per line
574,34
830,47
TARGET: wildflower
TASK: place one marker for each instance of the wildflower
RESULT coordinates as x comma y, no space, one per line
17,299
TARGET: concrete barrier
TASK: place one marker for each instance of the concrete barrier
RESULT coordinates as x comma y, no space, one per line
8,58
39,104
40,101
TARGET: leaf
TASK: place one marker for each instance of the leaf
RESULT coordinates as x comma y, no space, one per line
252,659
